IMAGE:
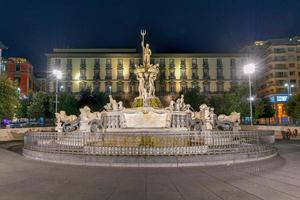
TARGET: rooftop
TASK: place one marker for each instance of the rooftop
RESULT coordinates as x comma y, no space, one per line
129,52
94,50
280,41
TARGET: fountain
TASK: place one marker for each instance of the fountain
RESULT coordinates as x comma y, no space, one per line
147,134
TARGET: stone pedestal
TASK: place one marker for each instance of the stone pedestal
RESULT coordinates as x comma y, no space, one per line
84,126
59,128
236,127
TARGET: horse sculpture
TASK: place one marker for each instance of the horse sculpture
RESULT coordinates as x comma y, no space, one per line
227,123
62,117
234,117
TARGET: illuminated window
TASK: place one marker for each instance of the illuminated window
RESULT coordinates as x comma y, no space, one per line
206,87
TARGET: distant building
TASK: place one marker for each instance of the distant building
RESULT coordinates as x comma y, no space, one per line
278,70
21,71
112,71
2,63
40,81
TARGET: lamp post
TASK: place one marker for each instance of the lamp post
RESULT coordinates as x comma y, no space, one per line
289,88
58,75
250,69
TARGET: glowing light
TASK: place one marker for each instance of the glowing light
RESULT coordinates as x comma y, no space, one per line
249,68
77,76
57,73
251,98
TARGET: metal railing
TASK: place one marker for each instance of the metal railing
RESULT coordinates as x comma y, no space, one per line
152,143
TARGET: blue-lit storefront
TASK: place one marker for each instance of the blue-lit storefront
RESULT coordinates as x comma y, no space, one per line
278,101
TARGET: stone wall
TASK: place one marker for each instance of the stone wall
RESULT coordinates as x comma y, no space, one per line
9,134
276,129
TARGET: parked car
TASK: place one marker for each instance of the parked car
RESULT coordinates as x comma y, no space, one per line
14,125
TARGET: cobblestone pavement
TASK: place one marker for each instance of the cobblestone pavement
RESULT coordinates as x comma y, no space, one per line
275,178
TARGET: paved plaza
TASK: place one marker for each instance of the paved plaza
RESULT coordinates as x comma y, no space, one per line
275,178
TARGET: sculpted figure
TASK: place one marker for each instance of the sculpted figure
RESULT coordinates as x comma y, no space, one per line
172,105
120,105
234,117
87,115
147,54
141,80
152,77
115,105
146,50
108,106
145,98
187,107
83,115
182,104
62,117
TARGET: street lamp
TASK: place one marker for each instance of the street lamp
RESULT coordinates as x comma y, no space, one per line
289,88
58,75
250,69
110,89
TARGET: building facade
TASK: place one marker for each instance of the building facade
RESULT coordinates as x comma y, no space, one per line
112,71
40,81
278,66
2,62
21,71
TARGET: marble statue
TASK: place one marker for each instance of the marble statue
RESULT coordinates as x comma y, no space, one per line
145,98
146,50
146,73
171,106
179,105
152,78
113,105
120,105
62,117
86,114
181,102
108,106
140,78
206,115
234,118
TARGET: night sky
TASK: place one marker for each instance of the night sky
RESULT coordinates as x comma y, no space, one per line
31,28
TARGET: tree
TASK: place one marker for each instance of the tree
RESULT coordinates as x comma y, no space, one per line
39,106
217,102
9,98
259,108
236,100
66,102
269,111
22,110
194,98
293,107
95,101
